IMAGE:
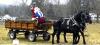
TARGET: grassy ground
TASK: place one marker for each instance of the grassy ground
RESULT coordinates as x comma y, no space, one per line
92,37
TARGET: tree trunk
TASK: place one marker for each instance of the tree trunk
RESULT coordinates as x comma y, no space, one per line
97,18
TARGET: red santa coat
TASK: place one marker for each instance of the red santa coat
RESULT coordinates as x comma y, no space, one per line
40,20
33,14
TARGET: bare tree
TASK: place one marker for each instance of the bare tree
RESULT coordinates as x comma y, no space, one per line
66,10
95,7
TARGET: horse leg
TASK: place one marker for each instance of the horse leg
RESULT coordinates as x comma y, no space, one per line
74,38
78,38
82,33
53,35
65,37
58,36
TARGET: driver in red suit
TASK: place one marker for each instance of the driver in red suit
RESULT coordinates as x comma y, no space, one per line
37,14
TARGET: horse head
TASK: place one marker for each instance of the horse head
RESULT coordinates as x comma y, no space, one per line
80,17
88,18
83,17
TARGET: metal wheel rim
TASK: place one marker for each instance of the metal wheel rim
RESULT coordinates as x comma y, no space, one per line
11,35
46,36
31,37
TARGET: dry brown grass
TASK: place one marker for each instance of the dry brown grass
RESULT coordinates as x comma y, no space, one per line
92,37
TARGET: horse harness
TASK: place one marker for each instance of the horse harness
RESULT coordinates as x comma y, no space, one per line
70,22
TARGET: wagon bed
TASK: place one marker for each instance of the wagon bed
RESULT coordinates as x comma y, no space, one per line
31,30
24,25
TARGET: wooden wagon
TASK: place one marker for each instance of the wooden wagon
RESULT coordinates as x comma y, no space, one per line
31,30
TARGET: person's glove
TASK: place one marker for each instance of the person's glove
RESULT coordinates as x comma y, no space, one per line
36,17
33,18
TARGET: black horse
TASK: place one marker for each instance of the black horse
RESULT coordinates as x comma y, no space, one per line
82,27
73,25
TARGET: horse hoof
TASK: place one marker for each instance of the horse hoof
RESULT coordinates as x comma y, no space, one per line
74,44
66,41
53,43
58,41
84,43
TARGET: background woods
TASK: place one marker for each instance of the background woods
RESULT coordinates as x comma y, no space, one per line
52,9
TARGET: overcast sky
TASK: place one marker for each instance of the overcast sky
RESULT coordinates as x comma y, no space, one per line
13,2
60,1
18,2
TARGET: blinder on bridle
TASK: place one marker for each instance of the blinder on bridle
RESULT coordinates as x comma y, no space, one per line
86,18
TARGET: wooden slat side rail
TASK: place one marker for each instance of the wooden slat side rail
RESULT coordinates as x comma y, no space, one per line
20,25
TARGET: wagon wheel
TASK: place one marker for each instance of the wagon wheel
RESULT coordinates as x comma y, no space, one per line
46,36
32,37
12,34
26,34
